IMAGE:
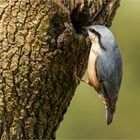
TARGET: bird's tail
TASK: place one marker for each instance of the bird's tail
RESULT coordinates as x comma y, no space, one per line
110,108
109,116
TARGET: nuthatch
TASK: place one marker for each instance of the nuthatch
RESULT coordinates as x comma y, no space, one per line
104,67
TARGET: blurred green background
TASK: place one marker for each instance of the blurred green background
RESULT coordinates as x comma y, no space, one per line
85,118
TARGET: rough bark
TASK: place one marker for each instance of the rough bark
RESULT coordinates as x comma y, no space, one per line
43,46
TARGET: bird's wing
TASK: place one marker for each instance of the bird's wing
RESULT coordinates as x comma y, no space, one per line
109,73
103,74
119,66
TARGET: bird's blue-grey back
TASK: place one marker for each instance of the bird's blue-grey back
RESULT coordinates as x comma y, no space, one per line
109,69
109,72
109,62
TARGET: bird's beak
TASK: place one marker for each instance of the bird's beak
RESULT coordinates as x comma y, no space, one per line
109,117
87,28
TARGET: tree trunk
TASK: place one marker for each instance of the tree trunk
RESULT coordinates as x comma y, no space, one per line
43,47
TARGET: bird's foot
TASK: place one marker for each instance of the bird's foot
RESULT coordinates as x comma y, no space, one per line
84,81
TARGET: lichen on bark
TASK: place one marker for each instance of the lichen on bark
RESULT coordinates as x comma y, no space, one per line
41,51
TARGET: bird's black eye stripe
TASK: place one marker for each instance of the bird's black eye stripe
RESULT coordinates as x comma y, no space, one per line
92,30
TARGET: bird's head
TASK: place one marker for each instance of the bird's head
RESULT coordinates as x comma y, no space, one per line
102,35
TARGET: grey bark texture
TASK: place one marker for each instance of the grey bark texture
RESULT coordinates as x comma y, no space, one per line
42,48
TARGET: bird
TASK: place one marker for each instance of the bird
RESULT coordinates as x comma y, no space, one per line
104,67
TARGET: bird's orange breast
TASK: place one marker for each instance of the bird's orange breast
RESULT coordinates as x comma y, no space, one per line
92,75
